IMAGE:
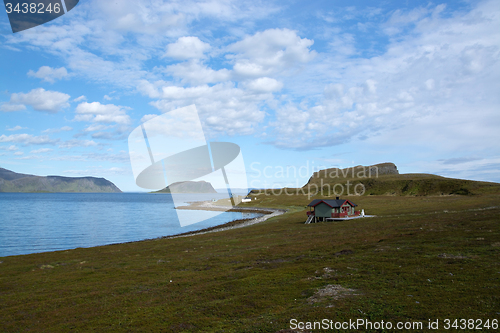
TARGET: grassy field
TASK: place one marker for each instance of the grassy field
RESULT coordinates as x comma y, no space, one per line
421,258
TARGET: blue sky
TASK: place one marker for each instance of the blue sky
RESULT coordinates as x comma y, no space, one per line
297,84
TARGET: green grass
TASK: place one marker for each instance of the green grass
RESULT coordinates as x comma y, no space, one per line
423,257
396,184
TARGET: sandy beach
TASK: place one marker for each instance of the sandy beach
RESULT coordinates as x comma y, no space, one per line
208,205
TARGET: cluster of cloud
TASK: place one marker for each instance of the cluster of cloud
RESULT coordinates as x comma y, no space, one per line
39,99
433,68
108,121
27,139
187,48
101,113
235,102
424,88
49,74
53,102
270,52
9,148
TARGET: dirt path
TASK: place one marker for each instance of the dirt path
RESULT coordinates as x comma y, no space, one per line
208,205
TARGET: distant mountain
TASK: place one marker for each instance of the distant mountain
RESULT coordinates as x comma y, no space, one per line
189,187
385,179
17,182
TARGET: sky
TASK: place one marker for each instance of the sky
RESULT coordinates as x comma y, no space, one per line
298,85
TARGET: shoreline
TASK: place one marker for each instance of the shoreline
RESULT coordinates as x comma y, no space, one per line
196,205
207,205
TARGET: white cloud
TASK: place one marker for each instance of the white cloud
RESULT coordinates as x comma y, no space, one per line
264,84
39,99
8,107
98,131
187,48
466,167
179,93
122,157
101,113
270,51
150,89
58,130
223,108
343,44
16,128
78,143
79,99
9,148
141,17
30,157
193,72
49,74
105,135
41,150
28,139
182,124
18,153
96,127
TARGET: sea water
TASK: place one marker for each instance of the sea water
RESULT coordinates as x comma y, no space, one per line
39,222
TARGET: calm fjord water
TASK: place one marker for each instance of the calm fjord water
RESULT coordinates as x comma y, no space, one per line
40,222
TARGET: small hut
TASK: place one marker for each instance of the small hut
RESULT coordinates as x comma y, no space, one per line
328,209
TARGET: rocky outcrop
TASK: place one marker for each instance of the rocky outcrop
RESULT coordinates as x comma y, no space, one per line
382,169
356,172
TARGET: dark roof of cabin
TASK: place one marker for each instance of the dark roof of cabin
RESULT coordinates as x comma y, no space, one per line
331,203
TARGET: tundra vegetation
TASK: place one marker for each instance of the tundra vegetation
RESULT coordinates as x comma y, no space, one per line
431,252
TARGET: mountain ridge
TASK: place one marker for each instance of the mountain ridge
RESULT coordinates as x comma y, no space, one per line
11,181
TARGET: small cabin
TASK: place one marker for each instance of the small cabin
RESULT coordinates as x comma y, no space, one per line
328,209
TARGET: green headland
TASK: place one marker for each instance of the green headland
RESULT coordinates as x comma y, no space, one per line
188,187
